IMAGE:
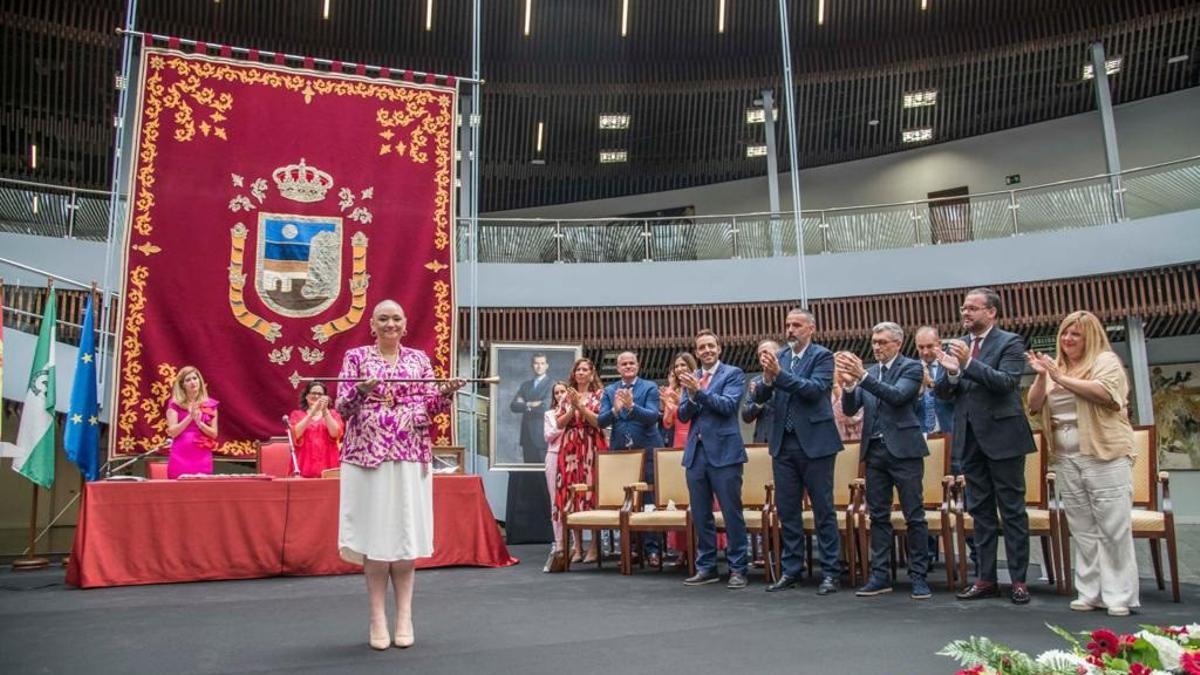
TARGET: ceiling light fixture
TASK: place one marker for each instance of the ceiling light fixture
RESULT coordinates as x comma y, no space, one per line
920,99
35,205
917,135
759,116
872,123
820,12
613,156
325,10
528,14
624,18
614,121
33,156
540,131
720,16
1111,67
1177,59
924,5
428,14
753,151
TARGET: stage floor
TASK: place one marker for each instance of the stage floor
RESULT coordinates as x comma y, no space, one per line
518,620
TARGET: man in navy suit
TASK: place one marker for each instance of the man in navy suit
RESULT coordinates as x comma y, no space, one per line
936,415
631,407
893,448
714,455
804,444
982,375
761,414
532,400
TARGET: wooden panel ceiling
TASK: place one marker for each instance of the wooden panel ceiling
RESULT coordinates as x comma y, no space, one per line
996,65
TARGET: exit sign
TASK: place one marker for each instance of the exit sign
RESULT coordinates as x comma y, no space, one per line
1013,179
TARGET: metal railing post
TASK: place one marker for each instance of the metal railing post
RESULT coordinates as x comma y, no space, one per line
1118,202
916,223
733,237
646,236
824,227
71,215
1012,209
558,239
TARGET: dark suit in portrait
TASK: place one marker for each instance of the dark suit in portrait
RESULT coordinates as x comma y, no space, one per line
531,401
992,435
804,444
893,448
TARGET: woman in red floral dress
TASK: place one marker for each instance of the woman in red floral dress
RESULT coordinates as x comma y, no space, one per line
582,439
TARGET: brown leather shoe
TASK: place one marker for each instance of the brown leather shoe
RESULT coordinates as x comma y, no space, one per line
1020,594
979,590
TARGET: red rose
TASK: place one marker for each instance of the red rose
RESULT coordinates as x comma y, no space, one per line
1190,661
976,670
1127,640
1139,669
1103,642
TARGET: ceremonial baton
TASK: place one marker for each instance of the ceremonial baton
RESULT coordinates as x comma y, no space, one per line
480,380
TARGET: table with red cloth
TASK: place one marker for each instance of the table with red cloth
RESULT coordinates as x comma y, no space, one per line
201,530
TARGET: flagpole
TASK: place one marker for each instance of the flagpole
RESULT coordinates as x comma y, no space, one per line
31,561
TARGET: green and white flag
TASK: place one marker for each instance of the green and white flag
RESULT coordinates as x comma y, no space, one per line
33,453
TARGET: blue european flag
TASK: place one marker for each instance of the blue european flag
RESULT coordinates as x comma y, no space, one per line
82,436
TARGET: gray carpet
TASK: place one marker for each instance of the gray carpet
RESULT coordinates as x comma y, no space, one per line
517,620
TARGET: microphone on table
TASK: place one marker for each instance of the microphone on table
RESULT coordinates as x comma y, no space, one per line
287,425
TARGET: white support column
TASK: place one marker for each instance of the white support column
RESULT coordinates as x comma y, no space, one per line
1139,363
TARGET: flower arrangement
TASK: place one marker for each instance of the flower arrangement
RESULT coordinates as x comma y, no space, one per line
1153,650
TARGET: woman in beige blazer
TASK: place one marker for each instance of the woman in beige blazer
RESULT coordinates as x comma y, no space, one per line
1082,398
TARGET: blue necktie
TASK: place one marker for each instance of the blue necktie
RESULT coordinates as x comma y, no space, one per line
787,417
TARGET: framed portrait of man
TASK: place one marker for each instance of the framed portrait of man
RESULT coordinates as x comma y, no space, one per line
519,402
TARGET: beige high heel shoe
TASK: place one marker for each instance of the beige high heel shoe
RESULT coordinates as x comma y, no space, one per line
404,640
379,642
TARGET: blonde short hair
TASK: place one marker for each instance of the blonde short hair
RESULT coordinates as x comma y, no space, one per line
1095,342
178,394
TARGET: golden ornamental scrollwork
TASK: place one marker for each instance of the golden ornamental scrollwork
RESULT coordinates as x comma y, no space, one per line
269,330
131,349
359,280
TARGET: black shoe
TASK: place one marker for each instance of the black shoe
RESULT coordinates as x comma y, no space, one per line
828,585
701,578
979,590
1020,594
736,581
785,582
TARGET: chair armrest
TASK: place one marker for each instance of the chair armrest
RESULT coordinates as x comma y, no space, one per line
1164,479
641,487
769,502
947,490
579,487
1051,496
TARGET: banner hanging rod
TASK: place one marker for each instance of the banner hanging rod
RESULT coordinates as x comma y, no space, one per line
312,59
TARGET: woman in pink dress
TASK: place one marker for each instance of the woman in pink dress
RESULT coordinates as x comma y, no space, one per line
582,439
191,424
386,498
669,396
316,431
553,436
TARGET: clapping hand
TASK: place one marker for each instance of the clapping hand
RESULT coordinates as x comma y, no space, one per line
623,399
688,381
1043,365
850,365
948,360
769,363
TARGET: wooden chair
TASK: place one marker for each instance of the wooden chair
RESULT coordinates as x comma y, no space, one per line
274,458
758,498
935,488
1150,522
847,502
331,473
670,486
1040,506
616,473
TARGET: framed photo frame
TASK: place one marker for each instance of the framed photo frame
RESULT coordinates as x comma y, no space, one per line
517,405
448,459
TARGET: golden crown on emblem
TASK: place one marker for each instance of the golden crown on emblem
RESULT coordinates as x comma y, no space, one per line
302,183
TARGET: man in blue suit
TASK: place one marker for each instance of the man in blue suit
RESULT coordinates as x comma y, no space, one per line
936,415
631,407
982,375
804,444
714,456
761,414
893,448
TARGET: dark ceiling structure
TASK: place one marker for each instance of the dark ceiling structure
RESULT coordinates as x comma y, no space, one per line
684,85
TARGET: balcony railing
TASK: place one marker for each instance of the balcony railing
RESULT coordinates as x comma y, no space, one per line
31,208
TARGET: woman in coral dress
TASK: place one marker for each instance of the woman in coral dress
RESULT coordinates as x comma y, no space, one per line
582,439
191,424
316,431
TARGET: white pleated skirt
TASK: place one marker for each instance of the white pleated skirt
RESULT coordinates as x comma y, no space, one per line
386,512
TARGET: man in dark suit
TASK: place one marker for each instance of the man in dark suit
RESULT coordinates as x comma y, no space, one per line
631,407
761,414
983,377
804,444
713,456
936,415
893,448
531,402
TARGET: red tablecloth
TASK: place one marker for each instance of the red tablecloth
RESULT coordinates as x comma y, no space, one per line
170,531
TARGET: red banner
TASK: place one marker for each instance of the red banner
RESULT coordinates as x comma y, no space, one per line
271,209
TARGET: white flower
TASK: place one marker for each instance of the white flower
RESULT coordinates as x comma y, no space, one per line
1169,651
1058,660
